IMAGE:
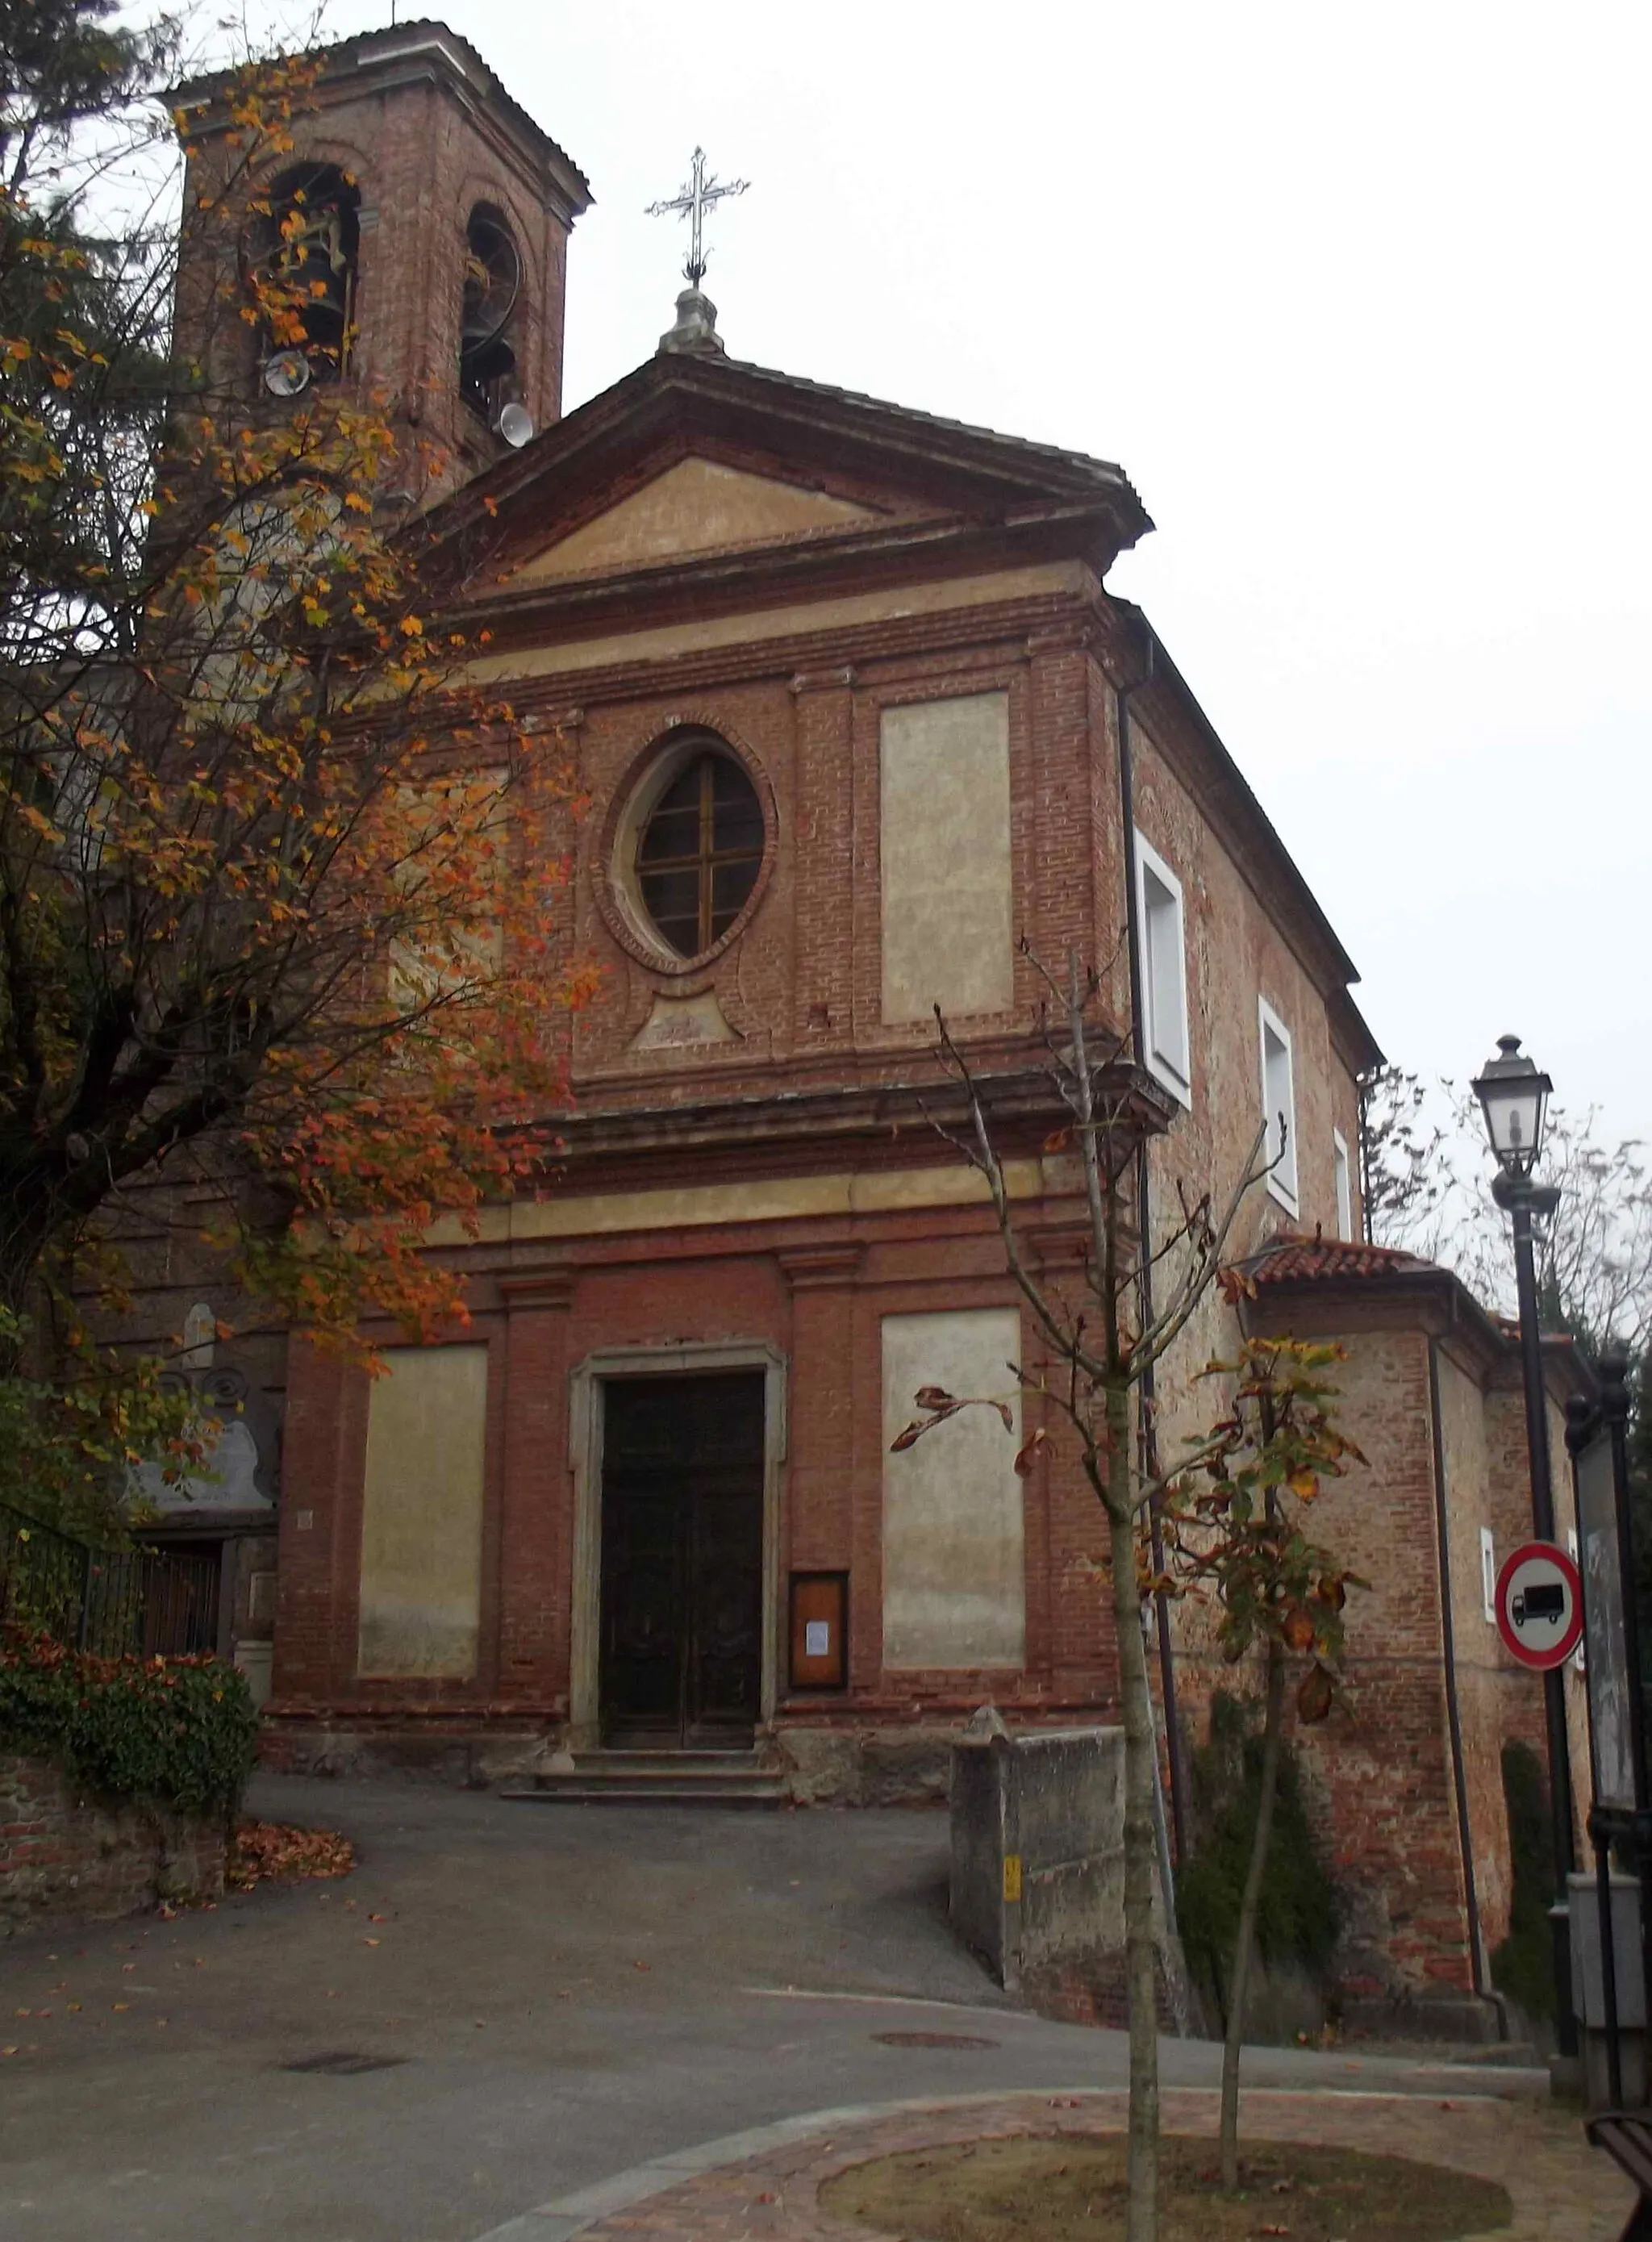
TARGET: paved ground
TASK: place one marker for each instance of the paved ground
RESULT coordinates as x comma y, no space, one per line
772,2195
559,1993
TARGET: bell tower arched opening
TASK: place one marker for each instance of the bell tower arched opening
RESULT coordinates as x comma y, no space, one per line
490,316
306,244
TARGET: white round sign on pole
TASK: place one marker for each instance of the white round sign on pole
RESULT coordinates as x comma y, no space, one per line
1539,1605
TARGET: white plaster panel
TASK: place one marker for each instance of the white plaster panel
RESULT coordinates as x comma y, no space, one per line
944,851
421,1527
954,1575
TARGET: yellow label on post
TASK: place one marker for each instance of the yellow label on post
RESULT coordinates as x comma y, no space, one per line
1012,1878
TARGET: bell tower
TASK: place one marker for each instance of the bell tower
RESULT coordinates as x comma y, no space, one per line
423,219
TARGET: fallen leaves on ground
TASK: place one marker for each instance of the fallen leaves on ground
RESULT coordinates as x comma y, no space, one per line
261,1850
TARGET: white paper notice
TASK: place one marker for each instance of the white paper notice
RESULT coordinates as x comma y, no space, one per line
817,1638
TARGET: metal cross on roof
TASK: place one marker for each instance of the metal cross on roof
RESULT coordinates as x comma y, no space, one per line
701,192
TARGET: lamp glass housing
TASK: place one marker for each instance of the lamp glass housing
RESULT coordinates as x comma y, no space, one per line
1514,1097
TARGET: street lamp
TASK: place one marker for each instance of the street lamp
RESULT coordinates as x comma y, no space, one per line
1515,1095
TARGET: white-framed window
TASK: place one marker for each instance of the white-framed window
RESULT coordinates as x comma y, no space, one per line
1345,1184
1578,1657
1279,1105
1164,971
1488,1575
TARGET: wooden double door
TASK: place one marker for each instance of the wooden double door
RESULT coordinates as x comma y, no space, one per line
682,1559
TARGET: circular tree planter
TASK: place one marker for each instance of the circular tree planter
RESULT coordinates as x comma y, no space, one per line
1070,2187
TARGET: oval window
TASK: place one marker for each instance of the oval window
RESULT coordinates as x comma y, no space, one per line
699,853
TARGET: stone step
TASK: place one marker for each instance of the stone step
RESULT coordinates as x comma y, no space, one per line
663,1762
699,1775
758,1790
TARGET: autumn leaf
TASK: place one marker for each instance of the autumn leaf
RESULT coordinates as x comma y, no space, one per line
1235,1285
1027,1453
1298,1629
1315,1697
261,1850
934,1397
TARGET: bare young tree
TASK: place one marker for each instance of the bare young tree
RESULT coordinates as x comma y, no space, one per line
1404,1179
1422,1148
1594,1254
1096,1347
1237,1527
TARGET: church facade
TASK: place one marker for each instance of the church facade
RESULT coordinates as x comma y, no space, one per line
862,733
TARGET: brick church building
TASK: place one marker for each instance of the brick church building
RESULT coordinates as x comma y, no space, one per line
857,716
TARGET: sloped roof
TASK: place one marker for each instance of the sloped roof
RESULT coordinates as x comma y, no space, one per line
1297,1260
1104,470
424,34
844,419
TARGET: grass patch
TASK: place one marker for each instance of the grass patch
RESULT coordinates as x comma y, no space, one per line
1070,2187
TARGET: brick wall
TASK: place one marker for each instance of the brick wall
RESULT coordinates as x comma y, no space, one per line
1378,1779
67,1854
423,150
813,1291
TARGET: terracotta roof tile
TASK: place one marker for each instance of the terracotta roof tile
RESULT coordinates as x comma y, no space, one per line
1329,1260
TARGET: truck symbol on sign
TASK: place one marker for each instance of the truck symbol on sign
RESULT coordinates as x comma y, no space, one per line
1543,1599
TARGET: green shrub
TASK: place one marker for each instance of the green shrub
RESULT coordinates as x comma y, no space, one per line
164,1732
1523,1966
1300,1911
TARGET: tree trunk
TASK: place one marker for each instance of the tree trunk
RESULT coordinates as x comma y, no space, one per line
1141,1772
1250,1907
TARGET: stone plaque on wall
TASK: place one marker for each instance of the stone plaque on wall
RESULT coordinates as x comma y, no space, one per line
943,848
421,1525
954,1575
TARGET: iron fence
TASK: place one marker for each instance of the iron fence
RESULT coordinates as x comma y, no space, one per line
155,1602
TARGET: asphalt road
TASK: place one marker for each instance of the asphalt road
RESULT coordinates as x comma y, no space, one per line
554,1994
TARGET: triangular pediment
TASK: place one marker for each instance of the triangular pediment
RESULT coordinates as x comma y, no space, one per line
696,506
695,462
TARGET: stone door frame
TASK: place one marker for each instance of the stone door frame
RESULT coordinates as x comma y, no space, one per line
586,1414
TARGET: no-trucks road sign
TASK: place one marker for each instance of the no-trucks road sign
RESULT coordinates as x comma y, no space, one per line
1540,1606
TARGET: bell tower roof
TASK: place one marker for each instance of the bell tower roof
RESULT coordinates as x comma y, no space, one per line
423,216
405,54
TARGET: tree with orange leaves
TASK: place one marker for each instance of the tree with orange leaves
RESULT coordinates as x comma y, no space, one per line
275,901
1236,1525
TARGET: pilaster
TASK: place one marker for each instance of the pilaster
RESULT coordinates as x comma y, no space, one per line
536,1519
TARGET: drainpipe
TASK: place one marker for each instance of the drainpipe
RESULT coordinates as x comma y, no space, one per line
1460,1783
1149,1437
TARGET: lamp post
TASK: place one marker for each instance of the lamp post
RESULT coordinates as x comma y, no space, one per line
1515,1095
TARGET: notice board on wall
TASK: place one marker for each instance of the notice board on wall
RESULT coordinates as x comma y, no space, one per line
819,1630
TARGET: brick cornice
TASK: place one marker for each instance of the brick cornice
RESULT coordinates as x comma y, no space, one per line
549,1288
839,653
1070,635
821,1268
1059,1245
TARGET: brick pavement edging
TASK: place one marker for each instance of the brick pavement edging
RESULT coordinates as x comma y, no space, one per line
763,2185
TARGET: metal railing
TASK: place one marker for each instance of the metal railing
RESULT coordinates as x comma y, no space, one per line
153,1603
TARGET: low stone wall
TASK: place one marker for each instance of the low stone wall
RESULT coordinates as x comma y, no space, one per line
874,1765
1038,1861
855,1765
456,1754
65,1854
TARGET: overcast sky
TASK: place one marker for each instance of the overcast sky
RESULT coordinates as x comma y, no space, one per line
1359,298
